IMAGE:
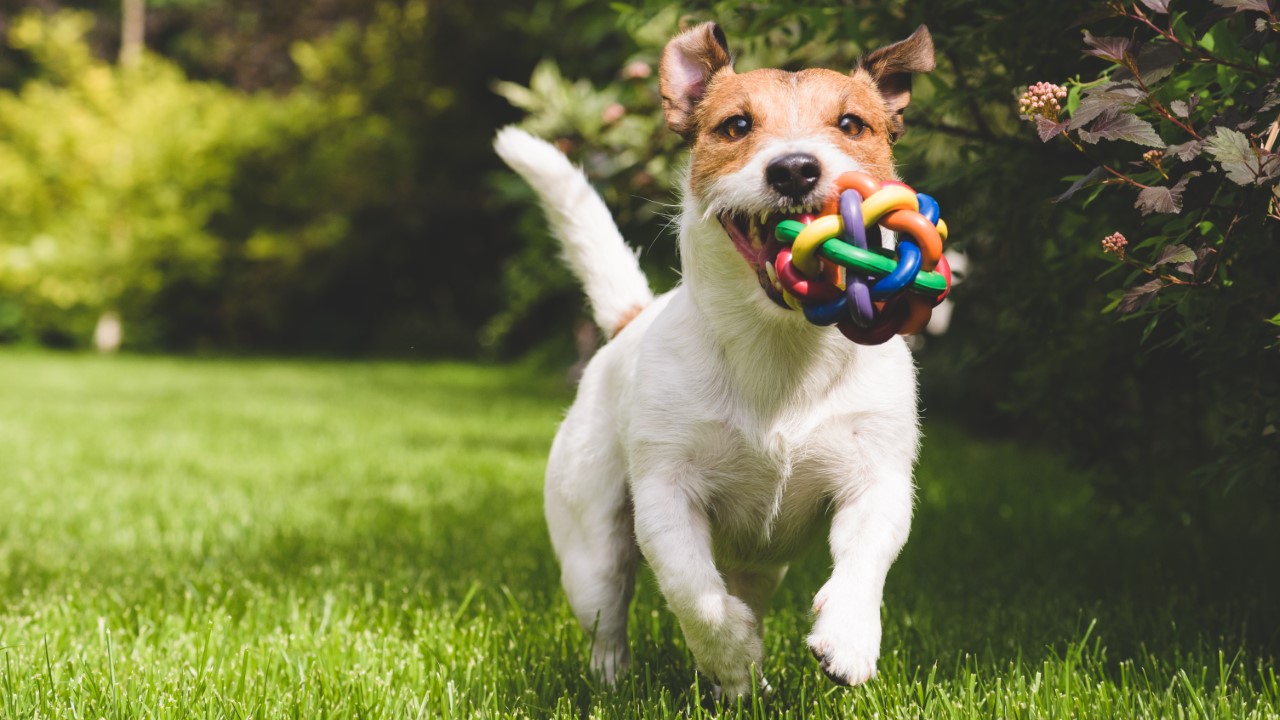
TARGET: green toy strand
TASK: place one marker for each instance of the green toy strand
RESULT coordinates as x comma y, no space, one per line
855,258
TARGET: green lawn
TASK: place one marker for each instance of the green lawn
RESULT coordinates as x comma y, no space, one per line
192,538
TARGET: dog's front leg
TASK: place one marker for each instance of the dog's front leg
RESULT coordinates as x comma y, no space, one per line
867,531
674,534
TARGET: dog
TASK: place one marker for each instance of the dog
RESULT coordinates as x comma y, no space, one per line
717,433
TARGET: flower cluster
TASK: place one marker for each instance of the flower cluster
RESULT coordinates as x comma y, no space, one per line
1041,99
1114,244
1153,157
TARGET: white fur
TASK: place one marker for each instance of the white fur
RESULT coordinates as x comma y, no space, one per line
714,436
594,249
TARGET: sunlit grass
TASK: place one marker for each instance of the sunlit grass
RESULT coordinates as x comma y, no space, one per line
187,538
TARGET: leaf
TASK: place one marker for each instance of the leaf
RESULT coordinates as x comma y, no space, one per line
1243,5
1158,199
1171,254
1126,91
1093,175
1107,96
1155,62
1184,108
1159,6
1164,199
1137,298
1193,267
1187,151
1113,125
1108,48
1048,129
1269,96
1093,106
1243,163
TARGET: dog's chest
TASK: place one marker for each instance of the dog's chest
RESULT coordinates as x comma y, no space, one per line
767,490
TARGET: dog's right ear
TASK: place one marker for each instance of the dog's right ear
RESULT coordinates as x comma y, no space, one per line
689,62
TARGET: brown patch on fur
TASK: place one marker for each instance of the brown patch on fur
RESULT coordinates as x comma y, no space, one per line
807,104
626,319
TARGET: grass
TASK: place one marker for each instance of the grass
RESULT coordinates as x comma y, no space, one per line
191,538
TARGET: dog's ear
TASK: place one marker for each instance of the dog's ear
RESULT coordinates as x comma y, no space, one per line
689,62
891,68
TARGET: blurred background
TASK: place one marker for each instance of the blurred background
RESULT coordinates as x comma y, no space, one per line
226,177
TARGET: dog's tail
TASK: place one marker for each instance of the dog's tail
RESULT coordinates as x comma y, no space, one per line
593,247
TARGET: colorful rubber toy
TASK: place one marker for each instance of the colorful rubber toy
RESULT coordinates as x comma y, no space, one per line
829,272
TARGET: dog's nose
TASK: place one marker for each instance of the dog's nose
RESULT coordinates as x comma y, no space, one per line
793,175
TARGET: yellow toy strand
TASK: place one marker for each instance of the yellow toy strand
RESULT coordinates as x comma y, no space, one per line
804,250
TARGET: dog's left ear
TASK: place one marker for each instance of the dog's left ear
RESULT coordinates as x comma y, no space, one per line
891,68
689,62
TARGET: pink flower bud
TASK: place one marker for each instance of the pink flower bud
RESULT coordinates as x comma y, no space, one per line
612,113
637,70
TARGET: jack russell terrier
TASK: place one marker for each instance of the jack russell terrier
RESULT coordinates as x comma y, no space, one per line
718,431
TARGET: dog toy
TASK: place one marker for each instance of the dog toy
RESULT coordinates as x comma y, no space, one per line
829,272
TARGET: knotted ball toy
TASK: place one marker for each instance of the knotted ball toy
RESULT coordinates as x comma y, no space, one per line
829,272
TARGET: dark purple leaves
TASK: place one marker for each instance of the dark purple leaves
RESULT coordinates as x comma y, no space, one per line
1048,129
1155,62
1136,298
1193,268
1243,163
1108,96
1108,48
1089,179
1158,199
1187,151
1174,254
1114,125
1158,6
1163,199
1243,5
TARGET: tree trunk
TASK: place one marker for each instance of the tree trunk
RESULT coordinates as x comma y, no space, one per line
133,27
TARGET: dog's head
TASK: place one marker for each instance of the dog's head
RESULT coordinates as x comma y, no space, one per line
767,145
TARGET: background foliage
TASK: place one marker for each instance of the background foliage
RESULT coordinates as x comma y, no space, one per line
316,177
1182,404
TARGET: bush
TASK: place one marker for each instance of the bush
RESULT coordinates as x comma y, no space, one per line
117,183
1030,351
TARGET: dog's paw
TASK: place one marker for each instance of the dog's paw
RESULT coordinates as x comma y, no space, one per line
721,633
608,662
845,639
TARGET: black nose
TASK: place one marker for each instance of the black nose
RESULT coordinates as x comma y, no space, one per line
793,175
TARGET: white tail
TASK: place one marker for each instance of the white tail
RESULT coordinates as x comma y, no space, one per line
593,247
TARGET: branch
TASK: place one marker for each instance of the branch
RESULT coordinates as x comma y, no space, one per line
1205,56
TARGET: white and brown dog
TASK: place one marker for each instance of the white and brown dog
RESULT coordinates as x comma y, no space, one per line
718,430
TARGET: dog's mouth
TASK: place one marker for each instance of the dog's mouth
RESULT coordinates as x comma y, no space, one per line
753,237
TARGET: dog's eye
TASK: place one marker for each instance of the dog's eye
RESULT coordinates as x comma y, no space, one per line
735,127
851,125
